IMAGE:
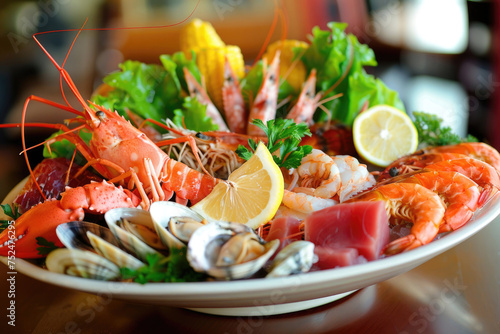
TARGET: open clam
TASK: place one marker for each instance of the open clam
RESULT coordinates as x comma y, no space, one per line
73,235
297,257
228,250
113,253
120,221
81,263
174,223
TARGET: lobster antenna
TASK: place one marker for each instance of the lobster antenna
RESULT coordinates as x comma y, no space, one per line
64,63
65,75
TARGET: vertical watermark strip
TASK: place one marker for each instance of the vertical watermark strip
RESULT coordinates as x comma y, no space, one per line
11,274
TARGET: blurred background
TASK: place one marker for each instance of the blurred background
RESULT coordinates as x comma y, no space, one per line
437,54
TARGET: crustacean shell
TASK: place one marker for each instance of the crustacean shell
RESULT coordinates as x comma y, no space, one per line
73,235
228,250
81,263
126,239
174,223
297,257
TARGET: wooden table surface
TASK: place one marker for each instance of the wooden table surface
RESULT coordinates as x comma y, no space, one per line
456,292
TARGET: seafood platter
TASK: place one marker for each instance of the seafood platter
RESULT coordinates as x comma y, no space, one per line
236,189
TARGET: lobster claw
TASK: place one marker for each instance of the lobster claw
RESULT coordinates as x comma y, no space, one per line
40,221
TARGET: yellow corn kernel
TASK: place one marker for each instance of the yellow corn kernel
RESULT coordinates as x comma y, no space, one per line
295,76
210,61
197,35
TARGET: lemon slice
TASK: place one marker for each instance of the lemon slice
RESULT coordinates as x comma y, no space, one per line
383,134
251,195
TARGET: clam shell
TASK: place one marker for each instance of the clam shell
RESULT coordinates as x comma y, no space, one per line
113,253
206,243
125,239
162,212
73,235
81,263
297,257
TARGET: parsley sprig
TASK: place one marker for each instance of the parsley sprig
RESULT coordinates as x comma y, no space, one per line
45,246
431,132
283,135
11,211
174,268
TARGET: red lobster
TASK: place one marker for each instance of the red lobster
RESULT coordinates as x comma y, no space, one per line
120,153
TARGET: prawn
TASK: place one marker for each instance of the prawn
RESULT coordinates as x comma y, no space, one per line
354,177
459,193
478,171
410,202
414,162
232,98
480,151
264,105
198,92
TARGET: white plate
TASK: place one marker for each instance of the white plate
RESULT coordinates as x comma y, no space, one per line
256,297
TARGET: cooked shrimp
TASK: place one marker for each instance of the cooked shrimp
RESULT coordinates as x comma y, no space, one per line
414,162
354,176
305,203
264,106
478,171
232,98
319,172
410,202
197,91
305,107
480,151
459,193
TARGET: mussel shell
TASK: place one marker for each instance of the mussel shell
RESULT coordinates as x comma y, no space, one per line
73,235
161,213
206,242
297,257
81,263
113,253
125,239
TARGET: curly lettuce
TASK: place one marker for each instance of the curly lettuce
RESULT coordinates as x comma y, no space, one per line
339,59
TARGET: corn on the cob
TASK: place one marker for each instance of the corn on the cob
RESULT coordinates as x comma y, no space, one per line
197,35
295,76
210,61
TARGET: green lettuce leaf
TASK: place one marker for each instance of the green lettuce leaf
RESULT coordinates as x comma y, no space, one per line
193,116
180,61
330,54
149,90
63,148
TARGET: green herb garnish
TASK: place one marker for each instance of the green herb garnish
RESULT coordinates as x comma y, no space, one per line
11,211
431,132
45,246
283,135
174,268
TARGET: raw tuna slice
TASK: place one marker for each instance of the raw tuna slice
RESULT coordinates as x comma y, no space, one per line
329,258
283,227
360,225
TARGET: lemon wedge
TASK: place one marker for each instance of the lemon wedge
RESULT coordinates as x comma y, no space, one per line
383,134
251,195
